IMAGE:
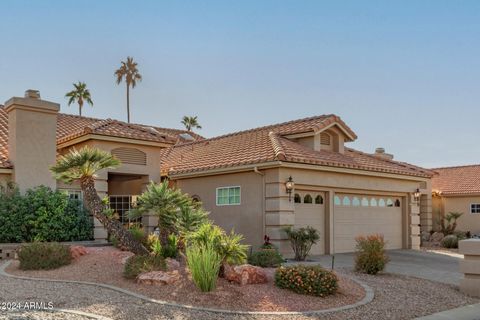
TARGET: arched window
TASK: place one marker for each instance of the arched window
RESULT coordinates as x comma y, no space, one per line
336,200
355,202
397,203
319,199
381,202
373,202
307,199
346,201
297,198
389,202
365,202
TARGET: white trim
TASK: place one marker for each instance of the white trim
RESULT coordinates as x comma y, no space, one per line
228,204
476,204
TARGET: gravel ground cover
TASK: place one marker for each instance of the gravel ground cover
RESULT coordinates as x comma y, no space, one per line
104,265
41,315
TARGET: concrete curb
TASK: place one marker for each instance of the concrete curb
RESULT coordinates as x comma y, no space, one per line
369,295
470,312
55,310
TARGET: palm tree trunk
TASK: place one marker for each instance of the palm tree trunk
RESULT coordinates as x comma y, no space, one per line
80,109
95,205
128,103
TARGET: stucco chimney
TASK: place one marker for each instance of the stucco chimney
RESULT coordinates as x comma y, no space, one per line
32,126
380,153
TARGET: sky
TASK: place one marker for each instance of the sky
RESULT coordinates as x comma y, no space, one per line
404,75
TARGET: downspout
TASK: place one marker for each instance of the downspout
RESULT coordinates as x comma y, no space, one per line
255,169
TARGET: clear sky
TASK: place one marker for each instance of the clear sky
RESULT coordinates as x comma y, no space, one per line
404,75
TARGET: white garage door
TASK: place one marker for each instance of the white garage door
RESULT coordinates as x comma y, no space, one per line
310,211
356,215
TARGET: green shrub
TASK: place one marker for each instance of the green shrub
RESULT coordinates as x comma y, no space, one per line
138,234
370,255
450,241
141,264
302,240
170,250
228,246
311,280
266,258
204,264
154,245
43,215
41,255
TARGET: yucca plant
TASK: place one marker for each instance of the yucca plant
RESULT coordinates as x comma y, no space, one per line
82,165
204,264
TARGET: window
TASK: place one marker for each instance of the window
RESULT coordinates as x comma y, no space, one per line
356,202
319,199
337,201
74,194
475,208
228,196
397,203
297,198
381,203
346,201
365,202
373,202
307,199
121,205
389,202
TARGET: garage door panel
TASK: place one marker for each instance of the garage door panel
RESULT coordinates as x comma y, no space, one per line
313,215
353,221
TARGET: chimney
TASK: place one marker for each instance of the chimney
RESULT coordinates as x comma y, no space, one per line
32,147
380,153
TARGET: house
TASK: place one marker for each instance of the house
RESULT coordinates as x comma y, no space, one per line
258,181
457,189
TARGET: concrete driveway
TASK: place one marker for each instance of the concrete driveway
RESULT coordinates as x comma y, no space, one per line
426,265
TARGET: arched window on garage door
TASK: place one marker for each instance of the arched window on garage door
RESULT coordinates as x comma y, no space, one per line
365,202
355,202
346,201
319,199
297,198
307,199
381,202
336,201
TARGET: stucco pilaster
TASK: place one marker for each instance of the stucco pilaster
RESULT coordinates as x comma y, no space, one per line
413,226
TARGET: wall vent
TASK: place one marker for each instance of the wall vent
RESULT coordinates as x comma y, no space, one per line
130,156
325,139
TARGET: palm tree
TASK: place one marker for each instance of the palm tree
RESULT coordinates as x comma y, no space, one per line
191,122
80,94
129,71
82,166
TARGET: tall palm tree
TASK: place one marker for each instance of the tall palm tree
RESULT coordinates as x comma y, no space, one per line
80,95
82,166
191,122
129,71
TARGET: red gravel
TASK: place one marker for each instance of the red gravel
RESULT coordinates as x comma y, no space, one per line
104,265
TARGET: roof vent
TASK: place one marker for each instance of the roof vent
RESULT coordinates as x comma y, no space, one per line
32,94
186,136
380,153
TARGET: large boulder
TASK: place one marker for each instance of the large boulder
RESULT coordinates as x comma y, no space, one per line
172,264
245,274
437,237
77,251
158,277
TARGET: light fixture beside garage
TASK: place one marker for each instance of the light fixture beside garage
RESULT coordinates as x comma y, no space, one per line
289,185
416,195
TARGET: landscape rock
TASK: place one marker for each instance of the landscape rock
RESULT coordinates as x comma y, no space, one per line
425,236
78,251
172,264
158,277
245,274
437,237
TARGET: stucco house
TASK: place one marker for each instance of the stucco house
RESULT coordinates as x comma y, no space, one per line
255,181
457,189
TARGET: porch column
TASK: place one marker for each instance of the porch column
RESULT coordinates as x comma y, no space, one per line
413,223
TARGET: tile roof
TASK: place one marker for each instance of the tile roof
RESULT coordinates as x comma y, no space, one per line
72,126
270,144
457,180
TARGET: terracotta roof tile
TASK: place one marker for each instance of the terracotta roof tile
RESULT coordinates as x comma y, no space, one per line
71,126
457,180
270,144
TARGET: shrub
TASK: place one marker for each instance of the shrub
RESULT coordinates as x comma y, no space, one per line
311,280
370,256
450,241
43,215
41,255
267,244
266,258
302,240
154,245
138,234
139,264
204,264
449,223
170,250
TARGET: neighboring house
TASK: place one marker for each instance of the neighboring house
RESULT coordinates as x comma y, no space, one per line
457,189
241,178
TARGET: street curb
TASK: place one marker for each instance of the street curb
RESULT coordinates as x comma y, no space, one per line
369,295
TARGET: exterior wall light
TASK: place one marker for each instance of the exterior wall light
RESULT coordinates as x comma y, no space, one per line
416,195
289,185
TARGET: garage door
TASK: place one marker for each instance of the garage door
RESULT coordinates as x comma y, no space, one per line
310,211
356,215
